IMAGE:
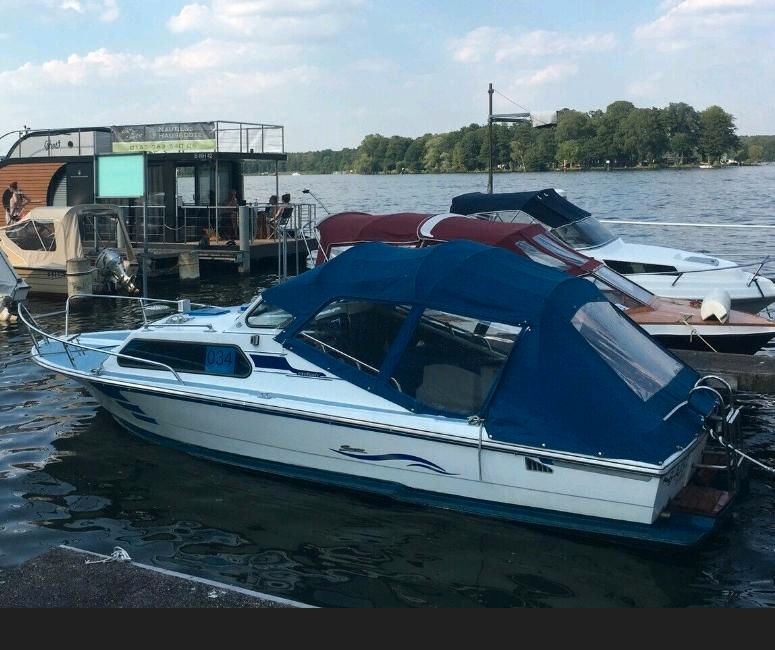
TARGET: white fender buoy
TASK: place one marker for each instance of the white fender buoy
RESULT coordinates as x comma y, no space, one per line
716,304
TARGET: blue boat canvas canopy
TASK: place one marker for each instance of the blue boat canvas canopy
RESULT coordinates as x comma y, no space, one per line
581,378
547,206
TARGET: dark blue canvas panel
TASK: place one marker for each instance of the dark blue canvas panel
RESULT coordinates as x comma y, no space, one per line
555,390
546,206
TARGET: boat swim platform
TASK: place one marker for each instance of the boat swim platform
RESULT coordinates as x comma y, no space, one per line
744,372
71,577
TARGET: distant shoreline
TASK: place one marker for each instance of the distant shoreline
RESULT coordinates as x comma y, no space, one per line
514,171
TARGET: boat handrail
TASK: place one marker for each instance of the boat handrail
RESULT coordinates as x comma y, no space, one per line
207,326
27,318
139,299
678,224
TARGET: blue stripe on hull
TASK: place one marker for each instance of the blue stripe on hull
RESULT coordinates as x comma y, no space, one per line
680,530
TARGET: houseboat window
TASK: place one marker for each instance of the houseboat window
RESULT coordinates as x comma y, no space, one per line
452,361
357,332
197,358
268,316
541,257
642,364
33,235
586,233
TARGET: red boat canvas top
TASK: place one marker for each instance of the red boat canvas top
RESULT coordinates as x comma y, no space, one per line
416,229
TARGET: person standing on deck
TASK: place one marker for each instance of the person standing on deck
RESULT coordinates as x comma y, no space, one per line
17,203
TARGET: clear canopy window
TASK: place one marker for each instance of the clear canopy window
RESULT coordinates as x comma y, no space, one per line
622,285
452,362
541,257
642,364
586,233
563,252
34,235
356,332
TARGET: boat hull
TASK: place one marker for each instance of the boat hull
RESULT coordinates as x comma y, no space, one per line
521,487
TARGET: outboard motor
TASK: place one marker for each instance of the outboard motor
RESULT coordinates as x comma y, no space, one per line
716,304
112,273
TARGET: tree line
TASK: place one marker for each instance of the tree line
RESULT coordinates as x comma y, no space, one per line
622,136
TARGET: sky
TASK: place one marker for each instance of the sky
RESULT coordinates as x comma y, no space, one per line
333,71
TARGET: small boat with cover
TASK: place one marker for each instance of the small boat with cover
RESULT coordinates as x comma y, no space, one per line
460,376
666,272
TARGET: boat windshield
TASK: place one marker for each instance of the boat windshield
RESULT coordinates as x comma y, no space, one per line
268,316
640,363
585,233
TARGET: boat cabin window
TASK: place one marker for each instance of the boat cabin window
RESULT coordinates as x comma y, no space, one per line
196,358
356,332
642,364
627,268
33,235
585,233
268,316
452,362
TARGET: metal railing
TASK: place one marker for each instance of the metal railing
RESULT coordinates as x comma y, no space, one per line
70,345
742,258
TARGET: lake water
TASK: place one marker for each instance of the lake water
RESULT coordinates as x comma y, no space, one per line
69,475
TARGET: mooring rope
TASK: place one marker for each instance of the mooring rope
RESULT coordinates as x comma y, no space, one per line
743,455
693,332
118,555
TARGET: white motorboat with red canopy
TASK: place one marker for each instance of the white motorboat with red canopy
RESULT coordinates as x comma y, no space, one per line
679,324
431,375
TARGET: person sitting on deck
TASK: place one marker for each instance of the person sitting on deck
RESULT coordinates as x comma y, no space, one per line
282,213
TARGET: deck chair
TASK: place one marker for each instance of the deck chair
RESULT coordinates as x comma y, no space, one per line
275,225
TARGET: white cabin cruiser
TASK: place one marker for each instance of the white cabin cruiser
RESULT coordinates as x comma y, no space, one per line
460,376
666,272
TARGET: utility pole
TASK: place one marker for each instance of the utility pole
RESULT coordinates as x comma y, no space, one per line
489,126
506,117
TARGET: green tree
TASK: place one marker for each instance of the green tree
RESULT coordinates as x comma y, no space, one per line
717,132
682,126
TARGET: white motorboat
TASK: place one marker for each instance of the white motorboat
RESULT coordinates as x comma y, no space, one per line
459,376
13,290
709,326
40,246
666,272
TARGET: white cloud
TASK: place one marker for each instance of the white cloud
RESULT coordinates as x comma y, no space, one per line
104,10
270,20
550,74
645,87
685,22
507,46
217,91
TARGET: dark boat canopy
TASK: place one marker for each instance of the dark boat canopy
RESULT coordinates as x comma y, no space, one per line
547,206
580,377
